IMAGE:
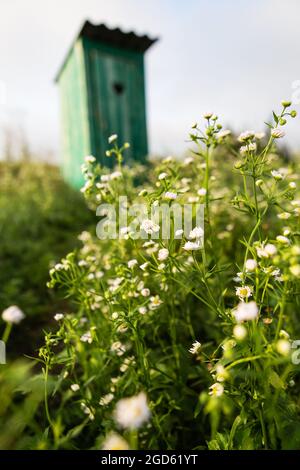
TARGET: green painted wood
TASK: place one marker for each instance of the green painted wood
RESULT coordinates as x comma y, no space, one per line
102,92
76,142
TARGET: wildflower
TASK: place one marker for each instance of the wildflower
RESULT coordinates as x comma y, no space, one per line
191,246
246,311
277,175
144,266
118,348
178,232
195,348
251,265
124,230
284,215
75,387
248,148
170,195
266,251
193,199
197,232
239,277
89,159
112,138
188,161
283,346
221,373
131,263
223,134
87,337
207,115
145,292
283,240
133,412
106,399
115,315
142,310
149,226
239,332
163,254
13,314
244,292
284,334
277,133
162,176
201,192
87,410
115,442
115,175
82,263
216,390
246,136
155,302
58,316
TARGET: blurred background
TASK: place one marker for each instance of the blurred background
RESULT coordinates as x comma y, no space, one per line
238,59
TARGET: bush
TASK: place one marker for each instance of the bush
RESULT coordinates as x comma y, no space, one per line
40,217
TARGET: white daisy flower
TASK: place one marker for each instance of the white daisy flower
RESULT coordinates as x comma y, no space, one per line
246,311
277,175
133,412
87,337
131,263
58,316
243,292
216,390
163,254
112,138
115,442
170,195
201,192
13,314
149,226
283,240
191,246
106,399
144,266
89,159
195,348
251,265
75,387
196,233
277,133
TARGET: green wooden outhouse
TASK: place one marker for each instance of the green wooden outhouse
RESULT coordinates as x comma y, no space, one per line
102,92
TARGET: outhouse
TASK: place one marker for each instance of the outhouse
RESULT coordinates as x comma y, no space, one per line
102,92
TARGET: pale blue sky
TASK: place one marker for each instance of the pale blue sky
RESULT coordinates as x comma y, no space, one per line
237,58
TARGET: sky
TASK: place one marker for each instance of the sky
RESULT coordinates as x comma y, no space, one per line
237,58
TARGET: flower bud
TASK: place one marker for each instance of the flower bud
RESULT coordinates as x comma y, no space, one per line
293,113
285,103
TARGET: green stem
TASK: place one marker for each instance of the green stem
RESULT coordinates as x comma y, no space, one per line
6,333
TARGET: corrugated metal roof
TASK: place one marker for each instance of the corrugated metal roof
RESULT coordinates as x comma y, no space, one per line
115,37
